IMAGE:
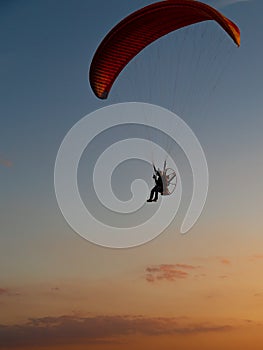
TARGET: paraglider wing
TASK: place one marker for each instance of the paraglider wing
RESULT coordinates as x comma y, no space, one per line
140,29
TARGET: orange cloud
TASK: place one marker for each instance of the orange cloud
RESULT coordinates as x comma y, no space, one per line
168,272
225,261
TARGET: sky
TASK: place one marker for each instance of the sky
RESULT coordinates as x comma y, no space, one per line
194,291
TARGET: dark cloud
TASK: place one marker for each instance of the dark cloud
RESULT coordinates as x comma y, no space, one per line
4,291
98,329
8,292
168,272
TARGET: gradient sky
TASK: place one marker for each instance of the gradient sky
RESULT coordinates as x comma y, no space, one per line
58,291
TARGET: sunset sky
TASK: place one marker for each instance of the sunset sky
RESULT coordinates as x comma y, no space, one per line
196,291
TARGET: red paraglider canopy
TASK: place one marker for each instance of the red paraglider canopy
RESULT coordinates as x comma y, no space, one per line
140,29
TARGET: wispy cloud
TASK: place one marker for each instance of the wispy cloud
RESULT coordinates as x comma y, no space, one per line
208,260
5,162
168,272
87,330
223,3
256,258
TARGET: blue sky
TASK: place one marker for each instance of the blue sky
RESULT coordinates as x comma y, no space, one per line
45,55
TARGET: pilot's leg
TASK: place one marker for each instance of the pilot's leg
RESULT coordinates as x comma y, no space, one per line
152,195
155,195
